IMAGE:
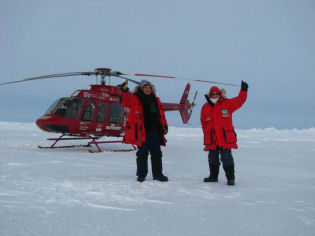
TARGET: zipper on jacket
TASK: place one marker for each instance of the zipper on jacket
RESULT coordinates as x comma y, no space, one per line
136,132
212,136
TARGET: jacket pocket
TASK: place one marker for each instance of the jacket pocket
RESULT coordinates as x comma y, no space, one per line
229,135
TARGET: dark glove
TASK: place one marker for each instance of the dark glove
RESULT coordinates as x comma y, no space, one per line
244,86
124,86
165,130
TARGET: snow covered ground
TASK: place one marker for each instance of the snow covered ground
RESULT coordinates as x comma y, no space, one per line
73,192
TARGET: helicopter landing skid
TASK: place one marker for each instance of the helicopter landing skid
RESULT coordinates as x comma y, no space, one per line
93,141
99,150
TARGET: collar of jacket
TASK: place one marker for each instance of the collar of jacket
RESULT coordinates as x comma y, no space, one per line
208,100
211,103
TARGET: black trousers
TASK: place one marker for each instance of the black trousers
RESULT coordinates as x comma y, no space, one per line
152,145
225,154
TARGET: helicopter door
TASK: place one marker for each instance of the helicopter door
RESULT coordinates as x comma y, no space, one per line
115,119
115,113
87,124
100,117
101,112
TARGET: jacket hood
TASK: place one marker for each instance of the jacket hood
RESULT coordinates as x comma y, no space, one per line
215,89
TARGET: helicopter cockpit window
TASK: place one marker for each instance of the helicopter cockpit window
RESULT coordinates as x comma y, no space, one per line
115,113
101,112
68,107
88,111
52,106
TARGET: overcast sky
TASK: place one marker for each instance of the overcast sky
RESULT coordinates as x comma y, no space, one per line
269,44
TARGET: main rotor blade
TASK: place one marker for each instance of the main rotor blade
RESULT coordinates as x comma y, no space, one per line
52,76
172,77
136,82
61,75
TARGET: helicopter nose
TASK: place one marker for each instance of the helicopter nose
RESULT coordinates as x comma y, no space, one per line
41,123
47,124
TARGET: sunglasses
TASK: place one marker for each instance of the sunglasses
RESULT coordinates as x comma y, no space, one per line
214,94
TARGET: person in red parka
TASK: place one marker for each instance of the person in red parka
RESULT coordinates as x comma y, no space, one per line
218,130
146,127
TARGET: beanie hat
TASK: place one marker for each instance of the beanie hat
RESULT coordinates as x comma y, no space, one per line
144,83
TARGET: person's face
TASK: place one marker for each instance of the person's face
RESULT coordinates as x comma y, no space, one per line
147,90
214,95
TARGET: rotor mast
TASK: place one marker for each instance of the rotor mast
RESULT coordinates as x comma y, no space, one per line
103,72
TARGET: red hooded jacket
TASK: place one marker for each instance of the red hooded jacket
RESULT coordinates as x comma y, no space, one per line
135,131
216,121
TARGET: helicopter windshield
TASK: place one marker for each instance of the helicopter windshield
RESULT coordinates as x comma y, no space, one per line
68,107
52,106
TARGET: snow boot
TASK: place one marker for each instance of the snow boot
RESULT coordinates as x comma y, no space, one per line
156,161
140,179
230,182
229,173
161,178
214,173
142,166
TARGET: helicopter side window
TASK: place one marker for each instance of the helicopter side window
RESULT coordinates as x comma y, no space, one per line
101,112
115,113
88,111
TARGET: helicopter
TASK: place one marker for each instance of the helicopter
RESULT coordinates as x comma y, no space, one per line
91,114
